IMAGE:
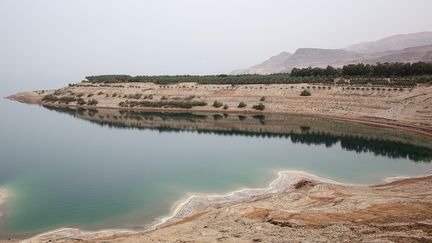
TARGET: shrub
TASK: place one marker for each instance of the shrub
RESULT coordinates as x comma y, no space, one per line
100,93
66,99
135,96
217,104
305,93
150,97
262,98
92,102
163,98
241,118
80,101
259,107
225,107
241,104
50,98
89,95
217,117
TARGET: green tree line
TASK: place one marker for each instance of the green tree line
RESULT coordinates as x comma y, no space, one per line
402,74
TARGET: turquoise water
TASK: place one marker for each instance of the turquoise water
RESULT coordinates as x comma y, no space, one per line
71,169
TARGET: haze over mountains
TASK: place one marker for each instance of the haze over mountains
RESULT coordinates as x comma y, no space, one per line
398,48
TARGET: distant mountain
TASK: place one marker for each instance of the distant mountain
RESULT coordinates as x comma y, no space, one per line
305,57
393,43
399,48
412,54
274,64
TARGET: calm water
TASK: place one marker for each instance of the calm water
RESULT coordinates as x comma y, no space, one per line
99,169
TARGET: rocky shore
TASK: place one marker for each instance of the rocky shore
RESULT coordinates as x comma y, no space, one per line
296,207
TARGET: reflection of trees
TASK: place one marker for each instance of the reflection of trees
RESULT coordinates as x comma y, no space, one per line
305,135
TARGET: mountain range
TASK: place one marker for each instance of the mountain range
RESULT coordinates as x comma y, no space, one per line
398,48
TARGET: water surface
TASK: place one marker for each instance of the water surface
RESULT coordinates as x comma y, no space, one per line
98,169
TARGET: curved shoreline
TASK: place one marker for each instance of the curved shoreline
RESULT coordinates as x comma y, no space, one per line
369,118
372,121
285,181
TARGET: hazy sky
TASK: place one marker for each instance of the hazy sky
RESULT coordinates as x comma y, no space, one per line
47,43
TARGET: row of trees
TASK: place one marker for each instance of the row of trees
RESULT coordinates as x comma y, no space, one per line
277,78
388,69
329,71
409,71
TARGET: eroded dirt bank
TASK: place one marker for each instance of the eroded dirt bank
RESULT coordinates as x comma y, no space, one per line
315,211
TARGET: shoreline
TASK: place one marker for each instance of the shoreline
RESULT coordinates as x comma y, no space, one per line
286,180
373,121
185,208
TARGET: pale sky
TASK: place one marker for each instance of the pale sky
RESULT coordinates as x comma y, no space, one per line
49,43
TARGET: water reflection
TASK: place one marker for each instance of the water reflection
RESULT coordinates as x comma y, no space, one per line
299,129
